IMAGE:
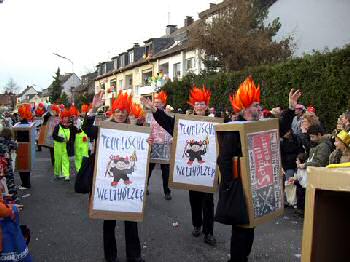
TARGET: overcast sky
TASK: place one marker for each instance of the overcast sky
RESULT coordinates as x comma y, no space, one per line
89,32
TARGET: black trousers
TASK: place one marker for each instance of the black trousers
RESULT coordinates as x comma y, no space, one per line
300,197
241,243
165,176
202,206
52,156
132,242
25,179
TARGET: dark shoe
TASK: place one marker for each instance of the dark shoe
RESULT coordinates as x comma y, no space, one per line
196,231
167,196
210,240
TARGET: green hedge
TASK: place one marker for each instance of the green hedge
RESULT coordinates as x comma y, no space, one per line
324,79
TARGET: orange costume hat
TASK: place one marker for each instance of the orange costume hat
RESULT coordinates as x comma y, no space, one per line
137,111
122,102
84,108
163,96
199,95
246,95
25,111
73,111
65,113
56,108
40,110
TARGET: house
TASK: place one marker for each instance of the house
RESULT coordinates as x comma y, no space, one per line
168,56
27,94
87,85
8,100
69,82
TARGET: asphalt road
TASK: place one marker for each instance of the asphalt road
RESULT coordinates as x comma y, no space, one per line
62,231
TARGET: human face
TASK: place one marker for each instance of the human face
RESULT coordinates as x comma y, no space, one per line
305,124
200,108
339,145
315,138
252,113
158,103
120,116
298,112
65,121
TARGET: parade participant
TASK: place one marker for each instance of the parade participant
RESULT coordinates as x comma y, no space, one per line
39,112
120,114
160,136
25,115
246,102
202,204
84,110
62,141
81,144
55,111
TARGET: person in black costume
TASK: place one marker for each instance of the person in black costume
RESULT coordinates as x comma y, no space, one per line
202,204
242,238
120,112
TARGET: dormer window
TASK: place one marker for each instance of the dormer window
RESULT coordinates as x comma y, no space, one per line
131,57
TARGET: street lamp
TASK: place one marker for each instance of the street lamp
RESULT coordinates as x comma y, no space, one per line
66,58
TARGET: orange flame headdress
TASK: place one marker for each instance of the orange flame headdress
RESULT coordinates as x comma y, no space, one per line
84,108
56,108
65,113
163,96
73,111
40,110
199,95
137,111
246,95
122,102
25,111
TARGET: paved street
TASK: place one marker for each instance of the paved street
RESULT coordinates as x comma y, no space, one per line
62,231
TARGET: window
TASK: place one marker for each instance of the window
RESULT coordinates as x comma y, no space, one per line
122,61
164,68
189,63
131,57
177,70
128,81
146,76
115,63
121,84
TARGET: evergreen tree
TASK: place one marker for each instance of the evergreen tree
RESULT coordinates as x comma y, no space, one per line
55,92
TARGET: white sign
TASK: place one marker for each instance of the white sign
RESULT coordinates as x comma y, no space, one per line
121,171
195,156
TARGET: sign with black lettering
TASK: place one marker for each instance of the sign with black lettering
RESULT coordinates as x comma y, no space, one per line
193,164
120,172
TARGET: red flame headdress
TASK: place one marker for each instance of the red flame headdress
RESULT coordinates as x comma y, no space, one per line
137,111
122,102
163,96
199,95
55,108
73,111
25,111
246,95
65,113
84,108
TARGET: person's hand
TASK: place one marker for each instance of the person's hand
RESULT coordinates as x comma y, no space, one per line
150,141
98,100
293,98
146,102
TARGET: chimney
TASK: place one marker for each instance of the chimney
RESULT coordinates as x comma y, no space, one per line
170,29
188,21
136,45
212,5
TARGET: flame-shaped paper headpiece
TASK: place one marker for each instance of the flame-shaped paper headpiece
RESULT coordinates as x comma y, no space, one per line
246,95
199,95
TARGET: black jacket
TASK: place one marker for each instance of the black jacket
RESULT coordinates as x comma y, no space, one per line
290,148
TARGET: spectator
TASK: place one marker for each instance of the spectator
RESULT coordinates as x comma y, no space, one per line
212,112
320,147
308,119
346,121
299,111
341,154
290,148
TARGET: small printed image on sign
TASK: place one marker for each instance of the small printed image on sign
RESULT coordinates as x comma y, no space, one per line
264,167
160,152
195,156
121,171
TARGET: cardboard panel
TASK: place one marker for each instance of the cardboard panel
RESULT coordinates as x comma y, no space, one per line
23,159
327,215
260,168
25,136
42,136
124,197
50,126
199,129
